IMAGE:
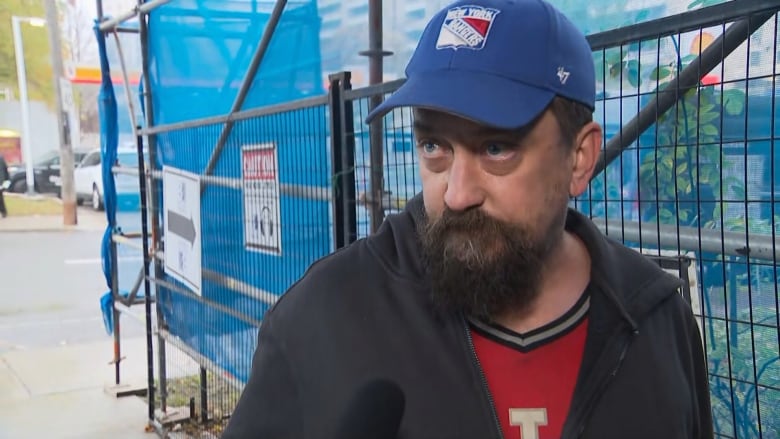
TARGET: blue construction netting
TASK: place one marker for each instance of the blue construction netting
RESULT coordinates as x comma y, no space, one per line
200,53
109,138
119,110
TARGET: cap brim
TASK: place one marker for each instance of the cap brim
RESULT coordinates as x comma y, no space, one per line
486,99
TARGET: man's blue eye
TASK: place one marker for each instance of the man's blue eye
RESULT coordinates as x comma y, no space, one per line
429,147
495,149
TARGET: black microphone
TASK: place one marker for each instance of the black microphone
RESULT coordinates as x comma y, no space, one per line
374,412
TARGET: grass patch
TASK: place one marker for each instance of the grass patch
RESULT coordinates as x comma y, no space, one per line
22,205
222,399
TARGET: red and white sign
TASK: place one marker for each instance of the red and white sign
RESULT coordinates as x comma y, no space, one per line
262,211
259,164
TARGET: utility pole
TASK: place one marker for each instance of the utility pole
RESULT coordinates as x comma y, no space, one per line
63,97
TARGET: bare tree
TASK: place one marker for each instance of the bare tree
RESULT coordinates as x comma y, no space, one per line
80,49
79,43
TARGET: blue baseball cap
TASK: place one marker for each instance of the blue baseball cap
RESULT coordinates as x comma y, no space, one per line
497,62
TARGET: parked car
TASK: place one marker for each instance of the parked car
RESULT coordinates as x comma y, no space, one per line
46,172
88,179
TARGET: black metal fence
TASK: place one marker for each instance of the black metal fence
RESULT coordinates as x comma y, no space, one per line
693,173
275,163
687,176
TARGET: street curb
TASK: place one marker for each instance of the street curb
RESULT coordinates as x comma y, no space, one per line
52,223
50,230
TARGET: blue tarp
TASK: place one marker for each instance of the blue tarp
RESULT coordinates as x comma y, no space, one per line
200,53
109,138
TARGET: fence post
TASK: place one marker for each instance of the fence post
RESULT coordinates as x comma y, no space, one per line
154,218
342,138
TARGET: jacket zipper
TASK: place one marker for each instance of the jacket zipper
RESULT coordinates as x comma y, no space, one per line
624,336
597,393
485,388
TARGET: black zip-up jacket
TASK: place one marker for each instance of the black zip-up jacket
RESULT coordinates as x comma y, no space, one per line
364,312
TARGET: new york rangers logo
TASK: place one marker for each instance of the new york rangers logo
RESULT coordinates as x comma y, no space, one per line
467,27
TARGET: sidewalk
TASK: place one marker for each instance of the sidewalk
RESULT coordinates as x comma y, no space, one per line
60,392
64,392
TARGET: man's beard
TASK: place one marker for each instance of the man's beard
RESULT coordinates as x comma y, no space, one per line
483,266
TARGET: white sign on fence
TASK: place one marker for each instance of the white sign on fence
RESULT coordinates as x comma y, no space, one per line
181,217
262,211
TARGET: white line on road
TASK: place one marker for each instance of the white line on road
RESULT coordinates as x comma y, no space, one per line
86,261
50,322
89,261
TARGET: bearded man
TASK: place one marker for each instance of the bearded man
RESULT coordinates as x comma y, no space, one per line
492,308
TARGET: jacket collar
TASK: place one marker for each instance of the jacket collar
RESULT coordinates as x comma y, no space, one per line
631,284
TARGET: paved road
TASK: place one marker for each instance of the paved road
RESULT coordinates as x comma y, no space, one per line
50,287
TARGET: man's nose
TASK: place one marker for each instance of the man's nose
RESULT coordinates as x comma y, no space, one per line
464,190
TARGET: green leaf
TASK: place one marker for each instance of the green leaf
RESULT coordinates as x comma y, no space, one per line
716,210
666,215
660,72
684,185
706,108
682,167
707,93
735,224
646,168
739,191
705,174
708,117
632,70
695,3
709,130
687,59
733,102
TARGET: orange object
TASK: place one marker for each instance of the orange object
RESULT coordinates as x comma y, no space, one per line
91,75
700,42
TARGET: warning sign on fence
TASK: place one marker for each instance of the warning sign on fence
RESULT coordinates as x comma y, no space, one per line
262,213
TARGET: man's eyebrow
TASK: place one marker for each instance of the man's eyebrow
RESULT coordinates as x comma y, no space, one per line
516,135
419,125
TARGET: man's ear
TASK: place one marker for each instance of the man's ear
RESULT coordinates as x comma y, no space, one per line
587,147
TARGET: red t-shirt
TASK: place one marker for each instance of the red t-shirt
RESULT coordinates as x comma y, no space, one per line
531,376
